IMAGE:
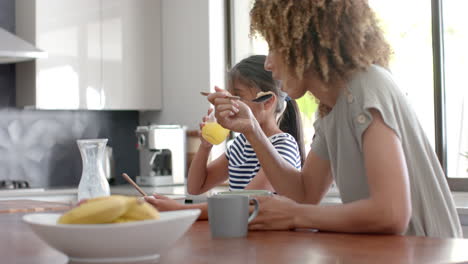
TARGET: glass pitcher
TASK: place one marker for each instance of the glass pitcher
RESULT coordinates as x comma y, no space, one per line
93,181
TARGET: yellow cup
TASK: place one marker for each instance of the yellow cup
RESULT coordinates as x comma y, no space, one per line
214,133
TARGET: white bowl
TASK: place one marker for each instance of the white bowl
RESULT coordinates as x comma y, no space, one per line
135,242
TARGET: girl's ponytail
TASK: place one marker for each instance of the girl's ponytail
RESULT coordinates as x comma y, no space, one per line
290,122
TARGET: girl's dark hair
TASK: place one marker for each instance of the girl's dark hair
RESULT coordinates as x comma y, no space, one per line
290,122
251,72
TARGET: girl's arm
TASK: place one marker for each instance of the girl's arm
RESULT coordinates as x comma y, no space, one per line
203,177
387,210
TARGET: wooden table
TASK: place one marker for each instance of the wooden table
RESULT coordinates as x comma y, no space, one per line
20,246
24,206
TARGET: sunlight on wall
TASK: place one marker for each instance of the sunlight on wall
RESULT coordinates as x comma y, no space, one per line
58,88
93,98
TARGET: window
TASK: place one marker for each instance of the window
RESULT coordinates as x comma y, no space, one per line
455,37
409,34
429,63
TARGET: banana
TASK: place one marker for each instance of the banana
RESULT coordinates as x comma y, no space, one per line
122,220
140,210
97,211
98,199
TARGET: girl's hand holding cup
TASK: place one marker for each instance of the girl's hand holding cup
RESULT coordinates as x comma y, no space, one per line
212,132
205,143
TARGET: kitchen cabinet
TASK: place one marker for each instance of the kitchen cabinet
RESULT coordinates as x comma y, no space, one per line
102,54
131,54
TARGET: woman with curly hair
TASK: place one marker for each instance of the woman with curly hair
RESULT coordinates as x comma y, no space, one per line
367,137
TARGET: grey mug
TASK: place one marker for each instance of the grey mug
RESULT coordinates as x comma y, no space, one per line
228,215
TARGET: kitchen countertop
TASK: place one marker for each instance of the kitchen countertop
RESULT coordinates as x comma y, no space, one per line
460,198
69,194
19,245
72,192
121,189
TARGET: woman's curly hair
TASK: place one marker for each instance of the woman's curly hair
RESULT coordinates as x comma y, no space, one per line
334,38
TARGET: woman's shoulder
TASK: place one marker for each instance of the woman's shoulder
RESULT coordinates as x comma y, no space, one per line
374,83
374,74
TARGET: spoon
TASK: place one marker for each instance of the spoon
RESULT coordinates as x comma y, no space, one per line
263,98
227,96
259,99
129,180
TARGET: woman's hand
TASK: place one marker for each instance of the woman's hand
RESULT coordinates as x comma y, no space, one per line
232,114
275,213
163,203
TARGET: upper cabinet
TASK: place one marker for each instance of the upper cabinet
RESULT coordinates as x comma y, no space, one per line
131,53
102,54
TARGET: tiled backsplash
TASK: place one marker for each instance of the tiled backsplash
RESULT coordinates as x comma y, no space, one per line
40,146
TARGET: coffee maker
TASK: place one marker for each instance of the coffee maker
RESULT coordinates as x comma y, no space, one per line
163,155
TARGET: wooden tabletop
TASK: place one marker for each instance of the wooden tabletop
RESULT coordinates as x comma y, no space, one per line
19,245
17,206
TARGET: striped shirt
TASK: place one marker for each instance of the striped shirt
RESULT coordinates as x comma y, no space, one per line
244,164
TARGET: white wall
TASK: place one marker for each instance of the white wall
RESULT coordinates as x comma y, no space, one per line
193,48
193,60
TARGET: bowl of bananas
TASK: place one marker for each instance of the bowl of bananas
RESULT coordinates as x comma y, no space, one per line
112,229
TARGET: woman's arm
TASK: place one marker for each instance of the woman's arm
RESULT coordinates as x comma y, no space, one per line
317,184
316,177
285,178
203,177
260,182
387,210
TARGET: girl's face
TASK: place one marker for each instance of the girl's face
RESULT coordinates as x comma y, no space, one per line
274,63
247,94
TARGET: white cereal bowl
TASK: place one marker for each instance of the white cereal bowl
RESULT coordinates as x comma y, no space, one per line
133,242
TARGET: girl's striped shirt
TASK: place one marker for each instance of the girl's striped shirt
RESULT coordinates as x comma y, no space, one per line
243,162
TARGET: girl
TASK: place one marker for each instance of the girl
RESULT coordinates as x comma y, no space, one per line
240,164
367,136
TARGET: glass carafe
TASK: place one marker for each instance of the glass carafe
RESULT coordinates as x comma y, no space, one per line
93,181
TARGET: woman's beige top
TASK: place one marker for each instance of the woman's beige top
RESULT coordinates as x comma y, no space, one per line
338,138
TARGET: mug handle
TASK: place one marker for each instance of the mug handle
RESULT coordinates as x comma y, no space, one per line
255,211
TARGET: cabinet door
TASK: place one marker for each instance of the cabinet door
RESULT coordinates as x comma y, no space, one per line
131,54
70,78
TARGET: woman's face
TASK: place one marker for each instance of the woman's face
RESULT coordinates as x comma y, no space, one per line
290,84
272,64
